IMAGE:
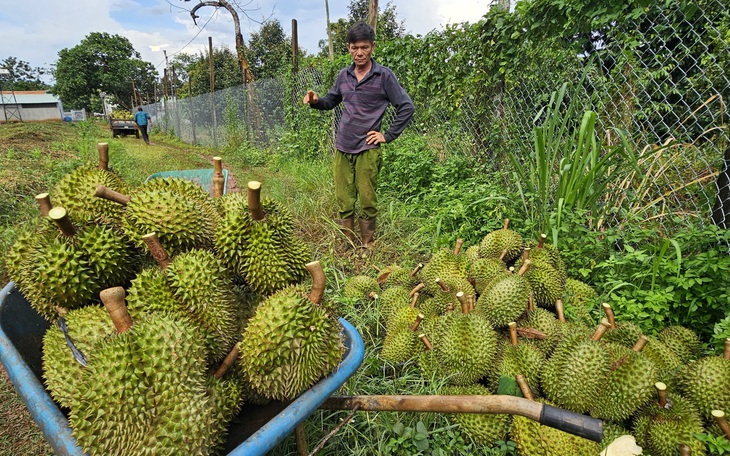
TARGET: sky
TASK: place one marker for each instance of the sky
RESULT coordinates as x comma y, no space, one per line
36,30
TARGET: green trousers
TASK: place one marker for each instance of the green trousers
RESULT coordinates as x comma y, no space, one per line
356,180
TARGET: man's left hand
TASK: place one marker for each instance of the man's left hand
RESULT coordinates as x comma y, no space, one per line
374,137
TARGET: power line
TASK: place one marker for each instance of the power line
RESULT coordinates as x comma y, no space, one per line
193,38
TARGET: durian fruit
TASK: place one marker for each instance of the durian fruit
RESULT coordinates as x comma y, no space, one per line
181,213
483,428
257,242
291,342
75,192
472,253
706,382
548,253
665,360
682,341
447,291
360,287
391,299
504,244
62,368
444,263
630,383
544,321
546,283
662,425
484,270
574,376
515,359
465,345
401,341
578,300
395,275
506,299
195,287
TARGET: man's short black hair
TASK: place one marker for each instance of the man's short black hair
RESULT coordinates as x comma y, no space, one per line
139,109
359,32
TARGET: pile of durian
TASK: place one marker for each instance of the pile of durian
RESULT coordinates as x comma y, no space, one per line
170,309
503,317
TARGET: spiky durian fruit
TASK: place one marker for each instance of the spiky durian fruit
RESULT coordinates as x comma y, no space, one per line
391,299
660,427
483,428
401,339
505,300
706,383
544,321
665,361
484,270
472,253
75,192
395,275
444,263
542,251
61,370
360,287
227,393
519,359
546,284
289,344
624,333
630,384
574,376
504,244
465,345
682,341
447,290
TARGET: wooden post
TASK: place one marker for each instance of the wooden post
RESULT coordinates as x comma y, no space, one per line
212,91
331,45
192,112
294,46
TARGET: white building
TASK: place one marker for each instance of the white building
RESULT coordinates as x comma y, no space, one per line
32,105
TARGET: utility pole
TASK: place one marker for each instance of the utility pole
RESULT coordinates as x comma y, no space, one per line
212,91
329,31
177,107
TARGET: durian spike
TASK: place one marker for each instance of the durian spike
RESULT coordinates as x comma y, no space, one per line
722,423
111,195
227,362
601,330
463,301
526,254
254,200
726,353
44,203
609,314
417,269
442,285
525,267
531,301
414,299
103,149
640,344
524,387
426,342
157,251
372,295
417,323
513,333
661,389
503,255
541,242
560,310
506,224
318,281
217,167
457,247
113,299
59,215
532,333
684,449
416,289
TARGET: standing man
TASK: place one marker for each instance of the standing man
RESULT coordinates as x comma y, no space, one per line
142,119
366,89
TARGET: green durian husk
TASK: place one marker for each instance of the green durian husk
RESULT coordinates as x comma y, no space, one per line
483,428
661,430
360,286
465,346
495,242
505,301
706,383
682,341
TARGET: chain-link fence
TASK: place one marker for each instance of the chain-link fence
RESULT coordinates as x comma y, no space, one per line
668,95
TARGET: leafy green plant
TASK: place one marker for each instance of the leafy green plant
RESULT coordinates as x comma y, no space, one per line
716,444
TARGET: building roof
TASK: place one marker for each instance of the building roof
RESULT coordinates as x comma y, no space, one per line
30,97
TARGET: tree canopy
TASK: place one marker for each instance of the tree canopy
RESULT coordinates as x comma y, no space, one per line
24,76
102,63
269,50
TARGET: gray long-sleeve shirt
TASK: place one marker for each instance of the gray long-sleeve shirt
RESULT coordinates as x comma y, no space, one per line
365,103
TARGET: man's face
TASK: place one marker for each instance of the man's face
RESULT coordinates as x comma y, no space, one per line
361,51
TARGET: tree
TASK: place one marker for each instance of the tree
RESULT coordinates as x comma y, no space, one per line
24,77
269,50
196,69
389,28
102,63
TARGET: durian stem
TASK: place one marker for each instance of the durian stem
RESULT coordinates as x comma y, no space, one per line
44,203
318,281
157,251
219,183
463,301
372,295
525,254
503,255
524,387
513,333
228,361
640,344
113,299
426,342
301,439
457,247
472,302
601,330
419,319
416,289
661,389
442,285
111,195
531,301
532,333
61,311
684,449
254,200
609,314
217,167
59,215
414,299
377,269
417,269
525,267
560,310
506,224
103,149
726,353
722,423
541,242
